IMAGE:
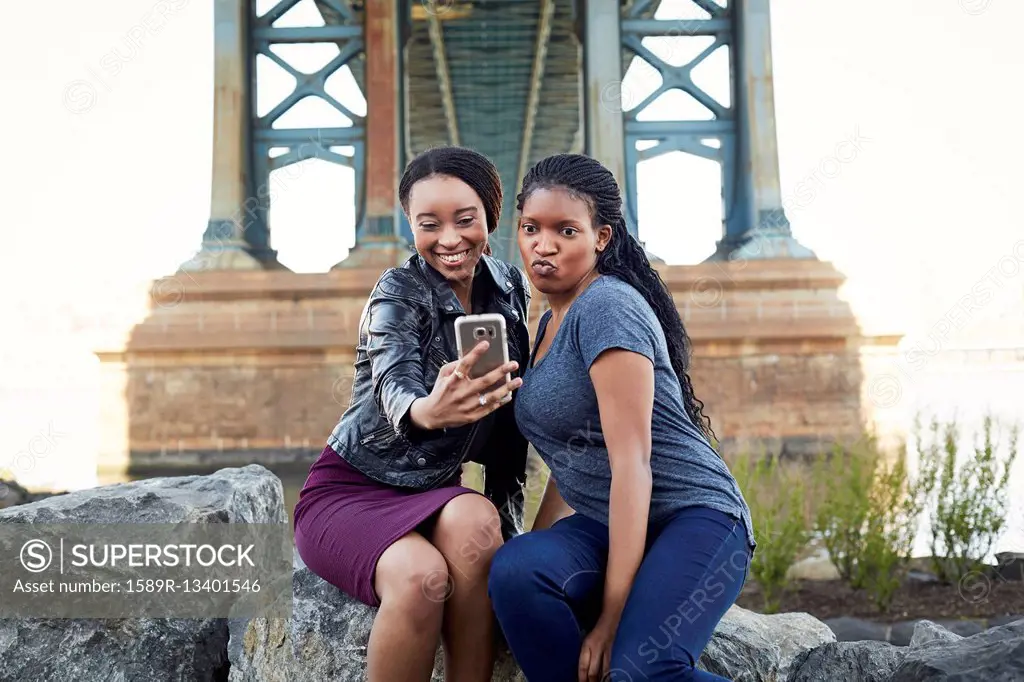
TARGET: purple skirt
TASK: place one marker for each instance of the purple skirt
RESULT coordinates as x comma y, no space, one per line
344,521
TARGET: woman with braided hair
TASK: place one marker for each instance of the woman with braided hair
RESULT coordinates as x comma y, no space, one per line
643,539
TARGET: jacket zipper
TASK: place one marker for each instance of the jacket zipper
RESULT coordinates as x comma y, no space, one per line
469,442
438,357
382,431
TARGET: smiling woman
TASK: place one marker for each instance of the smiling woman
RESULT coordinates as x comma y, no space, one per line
382,515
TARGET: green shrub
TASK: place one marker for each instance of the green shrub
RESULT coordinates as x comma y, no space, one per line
868,516
845,476
894,506
967,500
777,500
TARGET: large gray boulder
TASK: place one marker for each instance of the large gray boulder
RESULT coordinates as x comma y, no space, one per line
752,647
137,649
250,494
325,640
933,653
864,661
116,650
926,631
327,637
995,655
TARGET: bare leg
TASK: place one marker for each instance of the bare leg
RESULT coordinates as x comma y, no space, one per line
468,533
412,582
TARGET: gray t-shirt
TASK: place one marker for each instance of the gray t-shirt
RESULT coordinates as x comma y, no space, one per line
557,411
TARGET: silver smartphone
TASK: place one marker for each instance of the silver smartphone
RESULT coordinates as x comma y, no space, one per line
471,330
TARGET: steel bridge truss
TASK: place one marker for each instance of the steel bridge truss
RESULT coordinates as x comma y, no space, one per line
713,139
276,148
738,135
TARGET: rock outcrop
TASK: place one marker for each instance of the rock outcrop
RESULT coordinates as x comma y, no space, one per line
188,650
327,634
867,661
995,655
933,654
752,647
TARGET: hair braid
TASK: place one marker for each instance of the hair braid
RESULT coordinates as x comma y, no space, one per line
586,179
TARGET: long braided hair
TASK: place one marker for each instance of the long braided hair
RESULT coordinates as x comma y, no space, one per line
586,179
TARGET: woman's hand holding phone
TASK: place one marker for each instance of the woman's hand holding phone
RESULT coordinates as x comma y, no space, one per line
459,398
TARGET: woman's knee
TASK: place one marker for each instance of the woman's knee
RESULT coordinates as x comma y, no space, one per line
517,567
468,533
412,574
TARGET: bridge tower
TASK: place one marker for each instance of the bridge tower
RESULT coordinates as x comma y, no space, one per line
739,135
249,147
382,41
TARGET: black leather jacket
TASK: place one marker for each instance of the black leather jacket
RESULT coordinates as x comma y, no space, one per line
406,333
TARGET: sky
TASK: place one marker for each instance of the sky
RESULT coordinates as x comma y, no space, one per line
107,184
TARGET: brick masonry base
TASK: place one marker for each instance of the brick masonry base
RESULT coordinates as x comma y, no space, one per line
256,365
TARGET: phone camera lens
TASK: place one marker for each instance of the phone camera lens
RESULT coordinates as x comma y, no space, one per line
479,332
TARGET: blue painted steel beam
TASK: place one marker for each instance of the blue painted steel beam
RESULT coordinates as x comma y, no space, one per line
675,27
740,137
307,34
756,226
680,134
345,29
281,137
649,130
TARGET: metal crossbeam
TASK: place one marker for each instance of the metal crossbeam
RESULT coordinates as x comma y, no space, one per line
540,54
282,137
311,85
307,34
713,139
343,27
444,80
675,28
652,130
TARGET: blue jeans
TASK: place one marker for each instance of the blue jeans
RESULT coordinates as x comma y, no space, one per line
546,588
